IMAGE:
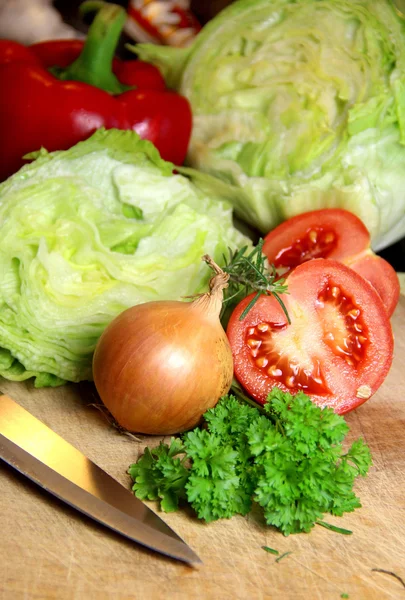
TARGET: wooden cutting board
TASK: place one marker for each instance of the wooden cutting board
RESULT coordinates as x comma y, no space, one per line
49,551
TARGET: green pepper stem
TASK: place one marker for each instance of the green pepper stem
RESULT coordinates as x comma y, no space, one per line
94,64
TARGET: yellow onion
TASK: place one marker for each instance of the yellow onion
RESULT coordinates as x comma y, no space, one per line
159,366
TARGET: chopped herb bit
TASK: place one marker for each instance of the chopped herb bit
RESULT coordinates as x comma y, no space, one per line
271,550
290,461
282,556
344,595
334,528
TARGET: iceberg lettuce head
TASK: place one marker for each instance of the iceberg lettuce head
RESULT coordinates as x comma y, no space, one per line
88,232
299,105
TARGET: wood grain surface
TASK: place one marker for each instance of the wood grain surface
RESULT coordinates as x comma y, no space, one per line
49,551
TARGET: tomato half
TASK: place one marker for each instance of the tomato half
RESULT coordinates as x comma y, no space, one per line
338,348
336,234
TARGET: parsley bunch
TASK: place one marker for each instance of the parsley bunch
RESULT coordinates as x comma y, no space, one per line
289,460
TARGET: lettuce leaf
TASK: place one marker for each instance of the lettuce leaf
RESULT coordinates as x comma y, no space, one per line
88,232
299,105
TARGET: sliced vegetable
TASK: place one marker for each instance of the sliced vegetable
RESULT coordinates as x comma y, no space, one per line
160,365
338,348
299,105
337,234
89,232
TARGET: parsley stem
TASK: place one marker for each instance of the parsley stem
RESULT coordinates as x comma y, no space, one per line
334,528
282,556
238,392
270,550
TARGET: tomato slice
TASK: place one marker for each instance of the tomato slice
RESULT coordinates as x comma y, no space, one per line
338,348
336,234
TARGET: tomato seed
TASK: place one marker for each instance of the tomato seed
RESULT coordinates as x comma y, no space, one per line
313,236
252,343
364,392
290,381
262,362
274,372
343,338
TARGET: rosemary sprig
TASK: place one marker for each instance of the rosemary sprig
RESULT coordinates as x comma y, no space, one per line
250,272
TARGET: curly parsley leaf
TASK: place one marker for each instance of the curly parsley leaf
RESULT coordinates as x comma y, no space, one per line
289,461
217,486
161,474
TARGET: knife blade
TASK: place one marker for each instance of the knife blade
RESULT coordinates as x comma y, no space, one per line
35,450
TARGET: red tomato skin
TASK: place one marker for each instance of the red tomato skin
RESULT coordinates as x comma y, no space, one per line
351,246
380,274
343,383
352,236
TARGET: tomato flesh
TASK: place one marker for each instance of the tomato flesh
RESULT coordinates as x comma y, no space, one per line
267,350
344,329
338,347
336,234
317,242
380,274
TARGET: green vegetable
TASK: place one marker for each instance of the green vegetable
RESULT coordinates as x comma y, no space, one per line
89,232
333,528
298,105
283,556
270,550
250,272
290,461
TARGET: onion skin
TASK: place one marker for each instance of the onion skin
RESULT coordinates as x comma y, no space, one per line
160,365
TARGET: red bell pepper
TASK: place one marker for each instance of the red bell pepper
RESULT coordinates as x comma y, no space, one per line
57,93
